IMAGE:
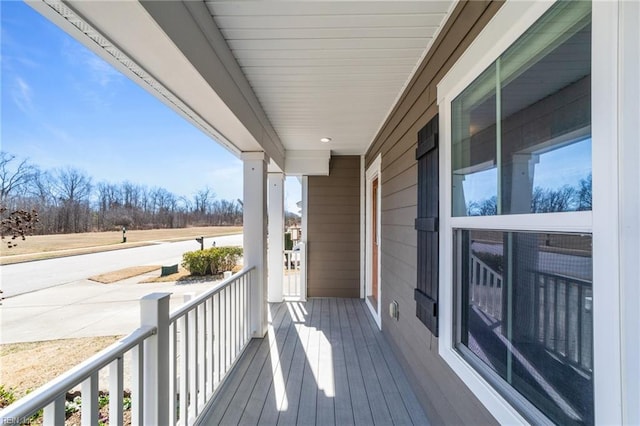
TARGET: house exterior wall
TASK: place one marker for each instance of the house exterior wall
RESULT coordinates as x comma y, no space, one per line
333,240
443,395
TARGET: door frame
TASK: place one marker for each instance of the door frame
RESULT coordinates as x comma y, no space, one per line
373,173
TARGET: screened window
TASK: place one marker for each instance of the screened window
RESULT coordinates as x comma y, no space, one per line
521,132
527,316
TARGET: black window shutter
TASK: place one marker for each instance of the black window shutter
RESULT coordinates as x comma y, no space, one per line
426,293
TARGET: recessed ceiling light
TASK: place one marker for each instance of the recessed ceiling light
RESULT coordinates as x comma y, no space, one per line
325,140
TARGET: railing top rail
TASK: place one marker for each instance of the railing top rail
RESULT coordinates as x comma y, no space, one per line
201,298
565,277
46,394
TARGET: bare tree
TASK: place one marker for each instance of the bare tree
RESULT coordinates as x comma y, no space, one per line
203,200
14,175
584,193
72,185
40,187
73,189
486,207
553,200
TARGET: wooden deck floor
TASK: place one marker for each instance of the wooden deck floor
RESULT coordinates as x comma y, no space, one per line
323,362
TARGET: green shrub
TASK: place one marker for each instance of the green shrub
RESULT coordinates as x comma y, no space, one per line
288,242
7,396
214,260
197,262
224,258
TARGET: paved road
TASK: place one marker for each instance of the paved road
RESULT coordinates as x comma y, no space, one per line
28,277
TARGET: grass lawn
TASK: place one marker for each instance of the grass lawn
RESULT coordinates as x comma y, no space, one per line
27,366
51,246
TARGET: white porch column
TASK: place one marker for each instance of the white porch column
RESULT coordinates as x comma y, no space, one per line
255,235
275,182
522,182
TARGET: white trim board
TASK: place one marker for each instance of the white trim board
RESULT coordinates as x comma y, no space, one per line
629,195
372,173
363,241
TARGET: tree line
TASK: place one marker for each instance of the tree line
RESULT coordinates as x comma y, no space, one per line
564,199
68,200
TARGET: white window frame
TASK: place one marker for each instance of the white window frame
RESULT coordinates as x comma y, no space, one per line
371,174
509,23
629,176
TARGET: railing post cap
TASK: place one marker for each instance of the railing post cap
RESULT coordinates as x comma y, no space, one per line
156,296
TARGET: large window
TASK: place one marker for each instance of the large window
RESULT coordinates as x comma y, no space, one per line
521,149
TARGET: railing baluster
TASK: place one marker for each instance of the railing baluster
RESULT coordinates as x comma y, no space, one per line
555,314
202,365
184,370
173,373
225,345
580,310
231,323
217,336
137,384
116,391
193,363
89,405
244,308
236,338
210,337
247,303
239,314
54,414
566,319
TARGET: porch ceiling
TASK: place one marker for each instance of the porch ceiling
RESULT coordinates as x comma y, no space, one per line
328,68
273,76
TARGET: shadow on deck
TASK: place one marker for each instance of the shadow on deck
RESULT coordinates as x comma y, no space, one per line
322,362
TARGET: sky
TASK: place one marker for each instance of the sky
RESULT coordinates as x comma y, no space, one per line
64,106
554,169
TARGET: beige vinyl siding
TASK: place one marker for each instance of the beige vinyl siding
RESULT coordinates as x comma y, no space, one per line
333,227
445,398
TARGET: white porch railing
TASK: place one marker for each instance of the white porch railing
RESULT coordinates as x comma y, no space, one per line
486,288
294,282
177,362
208,334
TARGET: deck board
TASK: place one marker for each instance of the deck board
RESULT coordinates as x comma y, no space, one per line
289,412
258,396
309,391
342,400
416,413
378,404
323,362
275,400
397,409
359,402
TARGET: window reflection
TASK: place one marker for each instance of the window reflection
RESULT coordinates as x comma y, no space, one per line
526,121
527,314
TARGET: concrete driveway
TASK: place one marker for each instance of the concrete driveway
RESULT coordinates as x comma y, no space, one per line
53,299
84,309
